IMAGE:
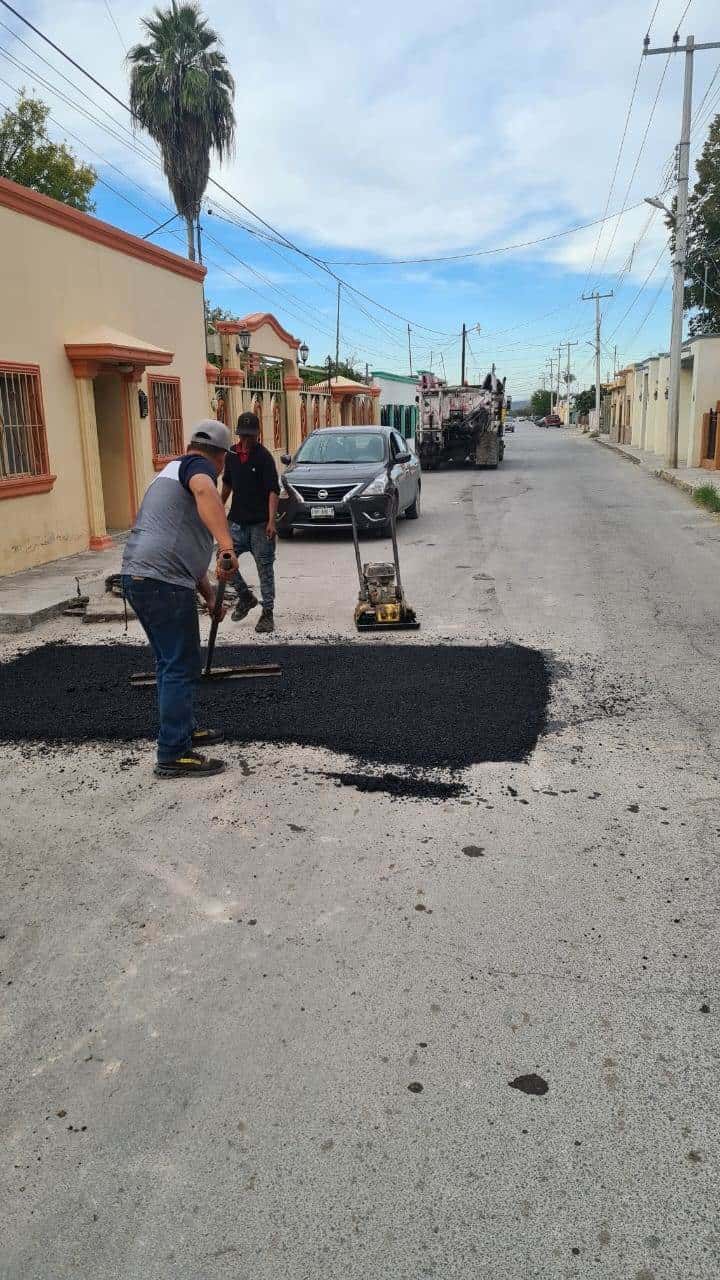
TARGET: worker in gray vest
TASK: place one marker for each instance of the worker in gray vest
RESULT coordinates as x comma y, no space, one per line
165,563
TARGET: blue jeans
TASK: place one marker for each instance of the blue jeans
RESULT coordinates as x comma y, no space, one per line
253,538
169,618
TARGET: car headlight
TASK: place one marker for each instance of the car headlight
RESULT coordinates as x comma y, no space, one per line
378,485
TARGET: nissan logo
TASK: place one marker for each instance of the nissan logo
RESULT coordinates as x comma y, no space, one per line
322,493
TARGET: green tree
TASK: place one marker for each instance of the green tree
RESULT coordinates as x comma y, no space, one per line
29,157
540,403
704,238
181,91
584,402
318,373
214,315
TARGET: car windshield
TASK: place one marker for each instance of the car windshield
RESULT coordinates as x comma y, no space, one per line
346,446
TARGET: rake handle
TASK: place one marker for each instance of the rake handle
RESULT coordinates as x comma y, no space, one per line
225,563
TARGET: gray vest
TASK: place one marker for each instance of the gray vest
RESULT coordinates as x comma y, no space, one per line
169,540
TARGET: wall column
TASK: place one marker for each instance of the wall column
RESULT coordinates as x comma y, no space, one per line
84,374
232,381
375,395
140,442
293,387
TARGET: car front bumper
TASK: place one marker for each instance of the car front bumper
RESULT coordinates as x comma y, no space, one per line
370,512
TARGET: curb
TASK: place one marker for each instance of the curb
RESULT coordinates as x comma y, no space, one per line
659,473
15,623
606,444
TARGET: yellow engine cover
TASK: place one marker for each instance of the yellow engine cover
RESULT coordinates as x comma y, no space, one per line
387,612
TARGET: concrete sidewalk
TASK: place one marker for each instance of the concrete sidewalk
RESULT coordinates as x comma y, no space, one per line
687,478
33,596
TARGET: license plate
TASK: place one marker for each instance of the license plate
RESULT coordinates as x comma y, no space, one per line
322,513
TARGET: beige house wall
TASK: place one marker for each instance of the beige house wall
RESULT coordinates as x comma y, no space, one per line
686,380
705,391
59,287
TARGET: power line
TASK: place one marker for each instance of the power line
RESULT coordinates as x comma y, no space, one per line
111,16
214,182
477,253
637,159
144,154
640,291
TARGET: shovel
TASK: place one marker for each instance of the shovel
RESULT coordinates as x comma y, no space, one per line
143,679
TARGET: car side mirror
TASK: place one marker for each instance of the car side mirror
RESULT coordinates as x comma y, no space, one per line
403,457
285,459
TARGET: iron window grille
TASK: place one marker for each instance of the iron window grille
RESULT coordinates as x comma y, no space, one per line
24,463
166,423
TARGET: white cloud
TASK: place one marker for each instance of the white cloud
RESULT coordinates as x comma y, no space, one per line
404,129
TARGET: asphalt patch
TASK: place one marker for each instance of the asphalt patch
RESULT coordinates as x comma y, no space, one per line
395,784
422,706
532,1084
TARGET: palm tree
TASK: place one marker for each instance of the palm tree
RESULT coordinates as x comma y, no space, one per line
181,91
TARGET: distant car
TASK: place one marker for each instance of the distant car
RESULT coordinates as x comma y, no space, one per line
336,464
551,420
509,424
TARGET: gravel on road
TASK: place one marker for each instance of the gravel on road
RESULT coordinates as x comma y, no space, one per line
435,707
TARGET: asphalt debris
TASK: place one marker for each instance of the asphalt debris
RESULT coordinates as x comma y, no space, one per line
399,786
435,706
473,851
532,1084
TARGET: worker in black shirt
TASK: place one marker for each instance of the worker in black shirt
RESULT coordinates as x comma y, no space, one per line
251,476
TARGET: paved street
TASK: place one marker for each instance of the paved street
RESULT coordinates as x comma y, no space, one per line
219,993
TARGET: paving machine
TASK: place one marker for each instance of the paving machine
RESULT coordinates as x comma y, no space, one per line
381,602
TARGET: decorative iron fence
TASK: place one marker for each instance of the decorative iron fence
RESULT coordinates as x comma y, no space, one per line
315,411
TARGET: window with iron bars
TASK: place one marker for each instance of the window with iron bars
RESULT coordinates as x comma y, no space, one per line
166,424
24,465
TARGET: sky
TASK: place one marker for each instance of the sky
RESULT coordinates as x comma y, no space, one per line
379,132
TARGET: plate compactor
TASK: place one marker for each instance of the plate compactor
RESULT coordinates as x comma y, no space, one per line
381,602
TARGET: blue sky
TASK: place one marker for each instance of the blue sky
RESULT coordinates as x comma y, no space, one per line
409,132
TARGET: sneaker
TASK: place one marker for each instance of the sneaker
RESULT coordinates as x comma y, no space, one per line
206,737
245,603
191,764
265,622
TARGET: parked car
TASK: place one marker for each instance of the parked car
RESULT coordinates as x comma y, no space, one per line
551,420
336,464
509,424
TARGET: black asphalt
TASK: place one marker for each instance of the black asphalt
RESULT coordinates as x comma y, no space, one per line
425,706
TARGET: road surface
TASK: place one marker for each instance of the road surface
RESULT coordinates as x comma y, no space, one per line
218,994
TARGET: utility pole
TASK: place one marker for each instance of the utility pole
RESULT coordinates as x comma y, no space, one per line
409,351
462,363
588,297
559,351
680,258
551,363
337,334
567,379
615,362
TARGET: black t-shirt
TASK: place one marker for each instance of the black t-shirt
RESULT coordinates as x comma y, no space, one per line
251,483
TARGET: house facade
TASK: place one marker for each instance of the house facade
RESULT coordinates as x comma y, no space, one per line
398,401
102,375
639,403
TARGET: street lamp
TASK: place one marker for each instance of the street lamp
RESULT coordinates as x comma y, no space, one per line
242,344
658,204
303,352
